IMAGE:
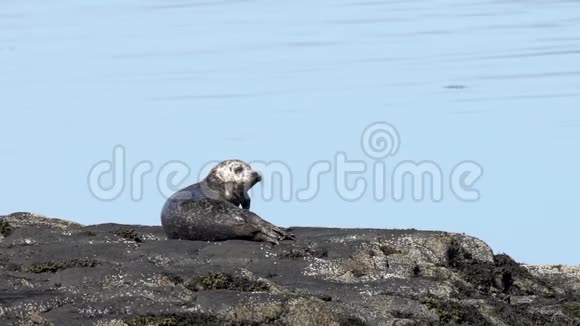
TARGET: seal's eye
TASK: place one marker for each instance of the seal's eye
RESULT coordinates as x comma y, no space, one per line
239,170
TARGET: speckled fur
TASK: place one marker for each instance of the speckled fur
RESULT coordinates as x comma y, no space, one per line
210,210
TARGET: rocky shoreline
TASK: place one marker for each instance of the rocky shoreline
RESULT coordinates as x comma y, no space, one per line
57,272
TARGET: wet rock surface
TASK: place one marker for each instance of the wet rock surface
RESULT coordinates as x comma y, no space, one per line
56,272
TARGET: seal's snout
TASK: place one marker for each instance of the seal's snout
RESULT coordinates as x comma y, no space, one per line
256,177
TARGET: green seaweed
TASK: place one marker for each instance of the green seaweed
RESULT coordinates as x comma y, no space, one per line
454,313
184,319
572,309
304,251
350,321
129,234
222,281
55,266
388,250
487,277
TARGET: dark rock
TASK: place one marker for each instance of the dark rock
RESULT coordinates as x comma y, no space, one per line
5,228
56,272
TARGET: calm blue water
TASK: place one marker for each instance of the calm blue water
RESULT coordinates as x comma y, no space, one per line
297,82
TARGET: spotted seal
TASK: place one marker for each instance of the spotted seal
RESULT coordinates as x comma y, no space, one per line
210,209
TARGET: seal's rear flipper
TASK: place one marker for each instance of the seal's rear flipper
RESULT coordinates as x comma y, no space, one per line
290,236
283,233
265,238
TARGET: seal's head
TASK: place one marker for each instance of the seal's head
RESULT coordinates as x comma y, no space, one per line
233,178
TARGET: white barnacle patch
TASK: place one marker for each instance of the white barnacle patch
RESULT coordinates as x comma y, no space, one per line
322,267
369,263
23,242
159,260
20,283
92,312
150,236
114,281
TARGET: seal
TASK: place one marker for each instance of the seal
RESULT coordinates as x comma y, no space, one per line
210,209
